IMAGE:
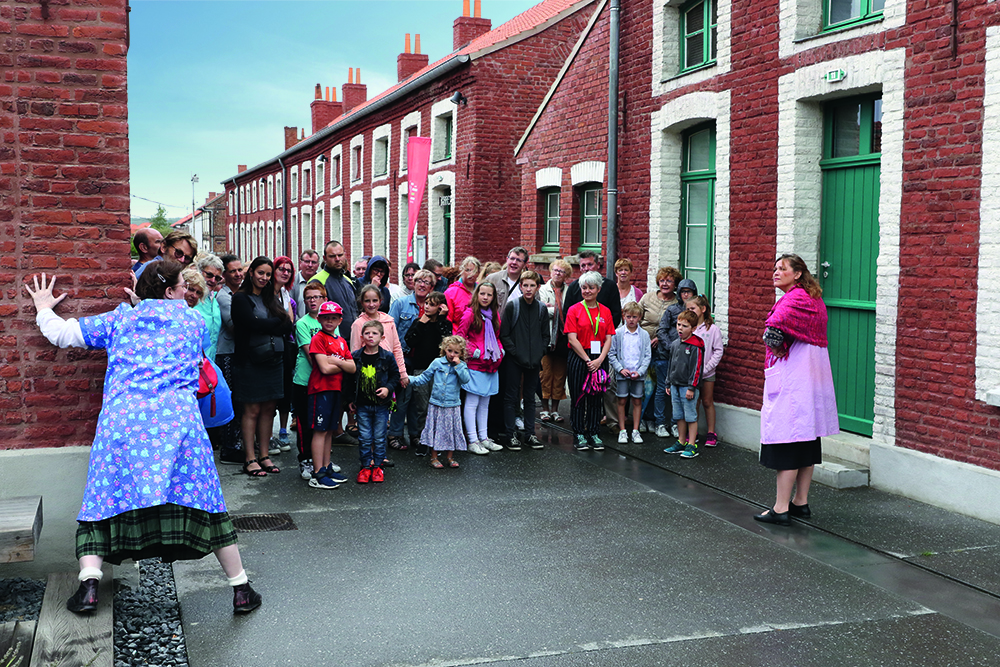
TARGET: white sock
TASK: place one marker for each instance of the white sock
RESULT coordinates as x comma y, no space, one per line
239,579
90,573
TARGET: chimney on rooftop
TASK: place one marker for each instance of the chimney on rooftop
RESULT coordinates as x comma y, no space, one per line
324,111
291,136
355,94
408,64
241,168
468,28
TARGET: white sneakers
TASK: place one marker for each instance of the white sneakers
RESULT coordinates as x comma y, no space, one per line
477,448
636,438
490,445
622,437
661,431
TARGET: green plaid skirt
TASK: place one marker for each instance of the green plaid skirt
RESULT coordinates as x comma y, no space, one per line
172,532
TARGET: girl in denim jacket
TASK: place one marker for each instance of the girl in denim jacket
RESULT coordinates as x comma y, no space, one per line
443,431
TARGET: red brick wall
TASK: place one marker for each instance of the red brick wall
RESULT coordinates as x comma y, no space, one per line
64,208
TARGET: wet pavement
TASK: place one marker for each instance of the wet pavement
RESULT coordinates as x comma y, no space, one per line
621,557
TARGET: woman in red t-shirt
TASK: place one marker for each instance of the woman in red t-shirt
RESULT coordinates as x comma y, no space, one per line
590,328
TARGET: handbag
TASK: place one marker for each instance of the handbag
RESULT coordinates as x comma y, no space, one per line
262,348
214,398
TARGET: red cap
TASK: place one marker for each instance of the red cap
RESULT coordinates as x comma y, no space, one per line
330,308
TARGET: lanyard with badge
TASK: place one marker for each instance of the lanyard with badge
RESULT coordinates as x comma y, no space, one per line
595,345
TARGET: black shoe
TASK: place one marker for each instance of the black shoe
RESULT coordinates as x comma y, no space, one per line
345,438
534,442
234,457
514,444
770,516
85,598
245,599
801,511
420,449
387,463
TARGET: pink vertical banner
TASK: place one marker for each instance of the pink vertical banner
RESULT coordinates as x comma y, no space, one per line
418,160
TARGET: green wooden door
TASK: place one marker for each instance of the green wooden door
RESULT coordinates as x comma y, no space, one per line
848,252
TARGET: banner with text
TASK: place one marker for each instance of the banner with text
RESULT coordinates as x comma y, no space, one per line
418,160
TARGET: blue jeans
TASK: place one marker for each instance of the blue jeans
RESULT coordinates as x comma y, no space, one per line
662,392
373,420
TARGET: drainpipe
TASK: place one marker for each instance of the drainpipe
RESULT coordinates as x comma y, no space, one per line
236,194
284,209
613,141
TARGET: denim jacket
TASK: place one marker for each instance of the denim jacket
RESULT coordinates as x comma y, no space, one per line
448,380
405,311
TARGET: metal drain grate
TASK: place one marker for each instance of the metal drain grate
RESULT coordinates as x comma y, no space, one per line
258,523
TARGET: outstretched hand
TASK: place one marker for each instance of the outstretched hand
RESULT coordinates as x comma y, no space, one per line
130,293
42,294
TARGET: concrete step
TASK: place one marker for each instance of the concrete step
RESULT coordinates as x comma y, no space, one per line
840,474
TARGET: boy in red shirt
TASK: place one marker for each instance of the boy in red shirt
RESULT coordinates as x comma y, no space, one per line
331,359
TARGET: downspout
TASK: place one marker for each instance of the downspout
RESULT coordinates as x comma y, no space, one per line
613,142
284,209
236,195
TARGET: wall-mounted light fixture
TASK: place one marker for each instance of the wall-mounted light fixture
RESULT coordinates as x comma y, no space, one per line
459,98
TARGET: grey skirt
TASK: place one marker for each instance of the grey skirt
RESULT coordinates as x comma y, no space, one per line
258,382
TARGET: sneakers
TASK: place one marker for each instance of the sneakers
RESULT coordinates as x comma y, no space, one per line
662,432
622,437
711,440
675,448
232,457
477,448
636,438
335,468
283,442
345,438
519,423
323,482
306,469
534,442
690,451
490,445
514,445
643,426
581,443
378,475
245,599
275,447
595,443
674,431
364,475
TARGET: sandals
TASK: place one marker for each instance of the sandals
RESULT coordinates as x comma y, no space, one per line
544,416
557,418
395,442
452,463
273,469
259,472
436,464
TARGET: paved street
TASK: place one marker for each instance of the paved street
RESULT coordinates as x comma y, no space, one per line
555,558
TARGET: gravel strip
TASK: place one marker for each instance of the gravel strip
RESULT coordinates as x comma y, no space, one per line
148,627
21,599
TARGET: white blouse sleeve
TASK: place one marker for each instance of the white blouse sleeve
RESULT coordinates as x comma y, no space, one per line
60,332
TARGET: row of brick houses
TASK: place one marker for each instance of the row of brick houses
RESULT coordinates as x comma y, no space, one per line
856,134
862,134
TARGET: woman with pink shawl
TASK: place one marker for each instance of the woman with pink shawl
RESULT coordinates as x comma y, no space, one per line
799,403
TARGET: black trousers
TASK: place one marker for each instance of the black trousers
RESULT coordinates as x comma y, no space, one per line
518,379
228,438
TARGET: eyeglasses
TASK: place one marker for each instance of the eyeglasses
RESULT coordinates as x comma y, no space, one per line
424,281
286,269
180,256
310,297
211,277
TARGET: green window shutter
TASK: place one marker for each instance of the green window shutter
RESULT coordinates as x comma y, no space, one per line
698,208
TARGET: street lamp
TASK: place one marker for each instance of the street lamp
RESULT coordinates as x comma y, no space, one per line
194,179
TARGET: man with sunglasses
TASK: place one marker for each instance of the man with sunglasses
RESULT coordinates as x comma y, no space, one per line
178,246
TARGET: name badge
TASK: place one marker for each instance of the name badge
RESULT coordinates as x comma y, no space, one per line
595,347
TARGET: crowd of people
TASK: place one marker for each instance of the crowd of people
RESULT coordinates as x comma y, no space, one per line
412,367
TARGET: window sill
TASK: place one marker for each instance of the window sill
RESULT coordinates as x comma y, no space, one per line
681,75
593,248
840,28
549,248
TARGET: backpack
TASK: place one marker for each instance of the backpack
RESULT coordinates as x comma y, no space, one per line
214,398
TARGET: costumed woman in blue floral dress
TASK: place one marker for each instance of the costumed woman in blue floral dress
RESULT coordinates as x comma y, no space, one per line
152,487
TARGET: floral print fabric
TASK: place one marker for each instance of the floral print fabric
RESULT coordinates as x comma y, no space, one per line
151,447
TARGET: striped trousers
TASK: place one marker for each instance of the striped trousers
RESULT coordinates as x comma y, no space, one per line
586,409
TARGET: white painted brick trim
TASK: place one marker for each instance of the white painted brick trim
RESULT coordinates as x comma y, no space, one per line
800,146
586,172
411,119
666,47
443,108
666,125
550,177
798,20
988,299
435,227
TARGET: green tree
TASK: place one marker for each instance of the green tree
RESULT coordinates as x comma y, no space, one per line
159,221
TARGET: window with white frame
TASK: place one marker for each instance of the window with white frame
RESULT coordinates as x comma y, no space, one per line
307,181
335,168
294,229
443,137
357,159
319,228
691,42
336,224
357,230
321,175
230,202
409,128
380,228
380,151
306,225
262,193
270,191
278,191
293,180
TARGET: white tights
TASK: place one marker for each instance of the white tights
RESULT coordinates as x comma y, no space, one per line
476,414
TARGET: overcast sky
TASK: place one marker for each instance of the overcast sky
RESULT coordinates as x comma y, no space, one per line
212,84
